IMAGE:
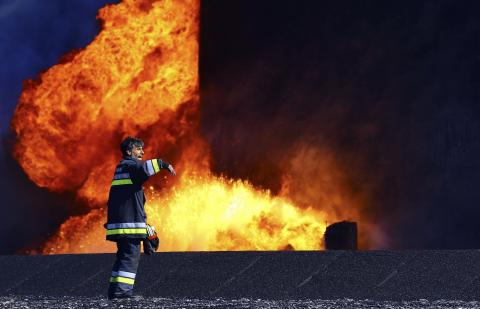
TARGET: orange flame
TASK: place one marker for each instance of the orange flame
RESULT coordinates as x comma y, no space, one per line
140,77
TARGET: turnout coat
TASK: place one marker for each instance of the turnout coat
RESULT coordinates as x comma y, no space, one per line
126,212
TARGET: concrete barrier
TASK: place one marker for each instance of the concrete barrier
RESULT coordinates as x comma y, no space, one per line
377,275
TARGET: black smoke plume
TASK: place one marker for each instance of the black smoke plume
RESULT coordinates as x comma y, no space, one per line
390,87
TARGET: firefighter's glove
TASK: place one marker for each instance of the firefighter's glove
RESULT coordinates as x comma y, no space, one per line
151,243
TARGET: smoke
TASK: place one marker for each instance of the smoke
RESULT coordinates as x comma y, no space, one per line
387,90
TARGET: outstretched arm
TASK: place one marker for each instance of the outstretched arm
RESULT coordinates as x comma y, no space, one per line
153,166
142,170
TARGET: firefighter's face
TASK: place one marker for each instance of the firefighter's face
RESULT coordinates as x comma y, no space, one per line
137,152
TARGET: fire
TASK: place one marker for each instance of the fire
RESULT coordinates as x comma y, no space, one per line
140,77
232,215
208,213
131,78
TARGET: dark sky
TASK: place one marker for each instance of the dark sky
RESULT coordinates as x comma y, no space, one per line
392,87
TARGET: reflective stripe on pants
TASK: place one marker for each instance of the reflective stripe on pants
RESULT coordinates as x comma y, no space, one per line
124,270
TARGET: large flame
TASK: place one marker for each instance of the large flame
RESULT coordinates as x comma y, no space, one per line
140,77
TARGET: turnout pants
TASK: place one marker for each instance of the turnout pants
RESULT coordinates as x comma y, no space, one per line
125,268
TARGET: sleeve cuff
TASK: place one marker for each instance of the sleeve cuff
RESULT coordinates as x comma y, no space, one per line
162,164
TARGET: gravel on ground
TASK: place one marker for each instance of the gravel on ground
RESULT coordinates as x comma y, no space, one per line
16,301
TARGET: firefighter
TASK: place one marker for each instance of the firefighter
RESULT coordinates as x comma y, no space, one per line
126,220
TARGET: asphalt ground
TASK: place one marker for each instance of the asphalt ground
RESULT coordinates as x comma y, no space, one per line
158,302
240,278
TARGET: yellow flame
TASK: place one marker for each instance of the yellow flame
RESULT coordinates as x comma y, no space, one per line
209,214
